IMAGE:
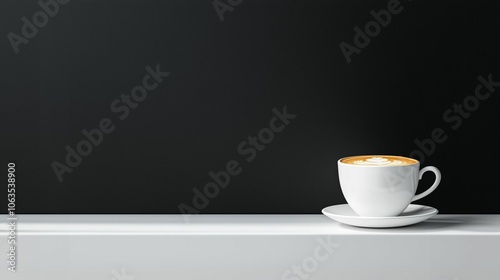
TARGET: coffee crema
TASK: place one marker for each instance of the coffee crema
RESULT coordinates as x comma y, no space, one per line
378,160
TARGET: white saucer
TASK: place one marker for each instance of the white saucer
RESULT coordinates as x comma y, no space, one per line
411,215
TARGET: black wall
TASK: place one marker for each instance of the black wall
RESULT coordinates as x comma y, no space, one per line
225,79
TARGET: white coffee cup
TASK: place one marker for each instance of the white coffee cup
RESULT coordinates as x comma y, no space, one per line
382,185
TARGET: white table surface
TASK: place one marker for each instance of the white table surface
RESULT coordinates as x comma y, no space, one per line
126,247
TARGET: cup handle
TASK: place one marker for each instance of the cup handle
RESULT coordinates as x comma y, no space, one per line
433,187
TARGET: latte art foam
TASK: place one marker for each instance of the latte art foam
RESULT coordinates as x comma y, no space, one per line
378,160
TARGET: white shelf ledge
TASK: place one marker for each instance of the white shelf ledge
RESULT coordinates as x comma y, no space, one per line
241,224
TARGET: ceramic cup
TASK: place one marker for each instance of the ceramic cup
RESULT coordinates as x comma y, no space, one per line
382,185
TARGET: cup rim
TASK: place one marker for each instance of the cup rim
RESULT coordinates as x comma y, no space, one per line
416,162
